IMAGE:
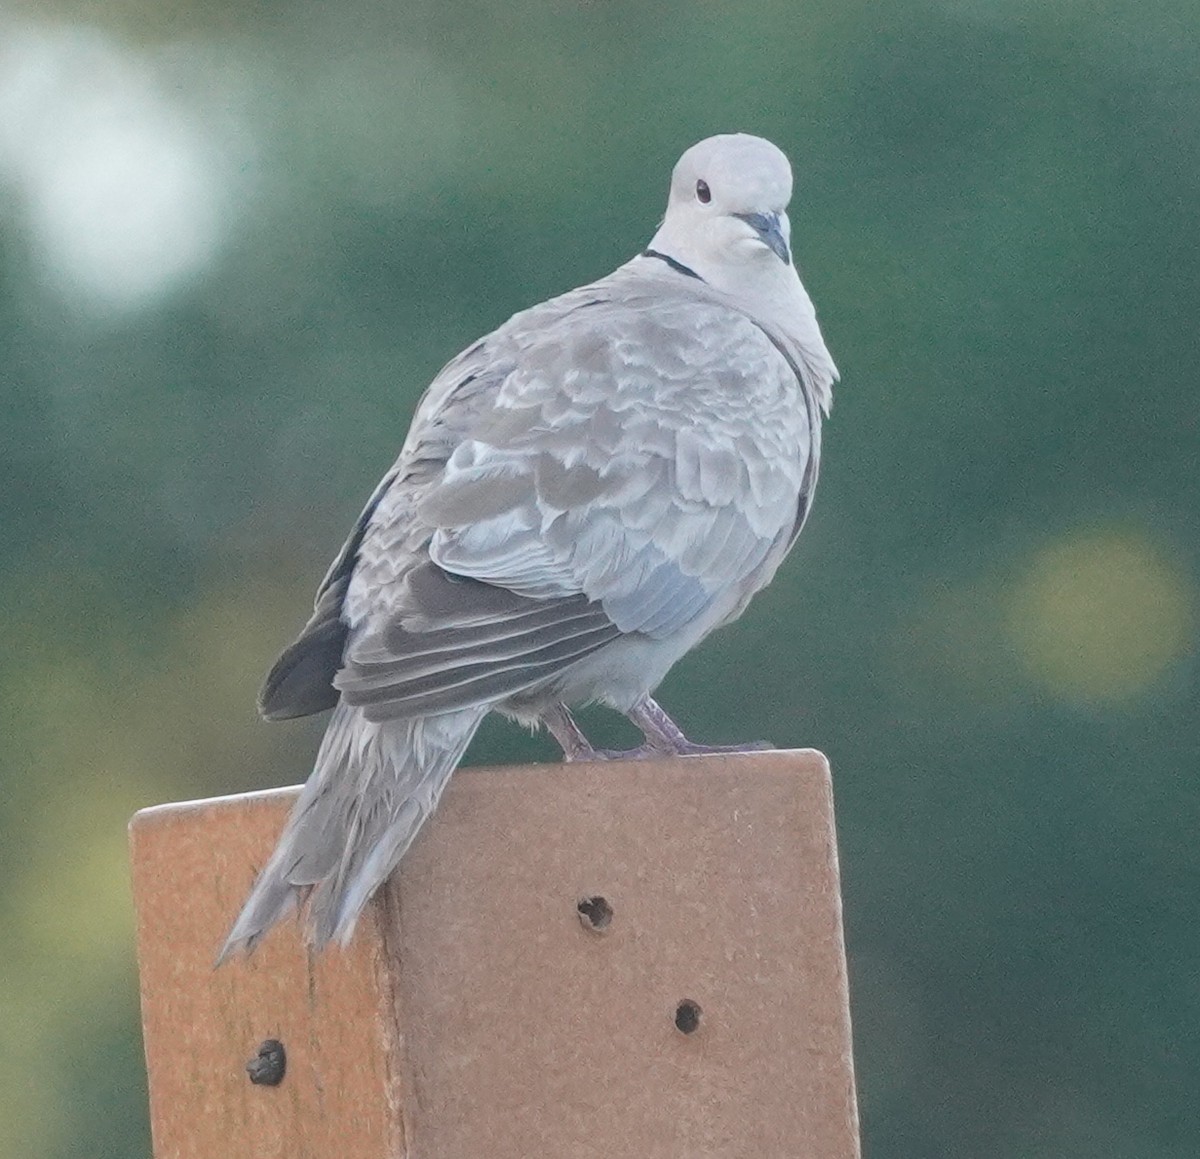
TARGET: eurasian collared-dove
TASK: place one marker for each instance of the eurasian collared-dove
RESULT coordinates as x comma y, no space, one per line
583,496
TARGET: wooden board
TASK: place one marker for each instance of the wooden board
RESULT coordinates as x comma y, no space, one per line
476,1014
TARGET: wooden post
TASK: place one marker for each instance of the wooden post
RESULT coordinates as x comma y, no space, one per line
636,959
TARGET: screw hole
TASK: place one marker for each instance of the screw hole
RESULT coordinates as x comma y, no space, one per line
269,1065
595,913
687,1016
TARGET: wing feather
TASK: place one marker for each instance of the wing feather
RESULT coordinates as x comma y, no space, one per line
649,475
607,463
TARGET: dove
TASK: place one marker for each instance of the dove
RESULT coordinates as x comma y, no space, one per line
583,496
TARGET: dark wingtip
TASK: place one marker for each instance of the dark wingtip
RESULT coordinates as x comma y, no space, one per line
301,680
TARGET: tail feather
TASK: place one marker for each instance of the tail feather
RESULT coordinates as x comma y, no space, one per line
374,785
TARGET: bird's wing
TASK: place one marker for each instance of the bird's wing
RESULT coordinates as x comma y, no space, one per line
633,465
301,680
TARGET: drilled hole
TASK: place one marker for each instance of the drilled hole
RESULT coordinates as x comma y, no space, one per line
687,1016
595,913
269,1065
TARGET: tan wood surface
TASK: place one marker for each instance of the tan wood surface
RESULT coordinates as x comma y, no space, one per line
476,1015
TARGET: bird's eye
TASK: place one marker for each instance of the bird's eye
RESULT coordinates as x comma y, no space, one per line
703,193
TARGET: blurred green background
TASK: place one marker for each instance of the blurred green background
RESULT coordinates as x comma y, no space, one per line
236,241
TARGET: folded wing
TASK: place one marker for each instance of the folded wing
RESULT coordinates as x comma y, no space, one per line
607,468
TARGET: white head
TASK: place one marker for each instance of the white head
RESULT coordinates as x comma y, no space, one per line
727,223
728,206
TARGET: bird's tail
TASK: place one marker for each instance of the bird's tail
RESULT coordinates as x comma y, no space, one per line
374,785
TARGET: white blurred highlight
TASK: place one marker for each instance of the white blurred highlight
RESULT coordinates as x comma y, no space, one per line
122,191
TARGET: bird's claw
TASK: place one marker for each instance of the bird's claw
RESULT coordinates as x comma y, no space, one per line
646,752
689,749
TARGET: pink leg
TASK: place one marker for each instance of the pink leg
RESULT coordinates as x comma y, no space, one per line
663,736
561,725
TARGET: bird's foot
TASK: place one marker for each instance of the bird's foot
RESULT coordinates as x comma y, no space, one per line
575,746
643,752
663,738
688,749
646,752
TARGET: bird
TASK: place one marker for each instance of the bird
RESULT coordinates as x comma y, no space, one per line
583,496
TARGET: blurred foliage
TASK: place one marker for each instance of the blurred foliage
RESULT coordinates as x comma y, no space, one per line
237,240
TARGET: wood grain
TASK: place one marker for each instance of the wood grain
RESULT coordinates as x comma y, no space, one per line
475,1014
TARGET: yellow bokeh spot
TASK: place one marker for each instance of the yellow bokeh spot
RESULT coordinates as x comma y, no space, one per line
1101,615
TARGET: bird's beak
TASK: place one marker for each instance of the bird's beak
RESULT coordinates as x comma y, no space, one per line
769,228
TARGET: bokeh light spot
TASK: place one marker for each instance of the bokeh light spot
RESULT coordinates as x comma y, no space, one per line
125,189
1100,616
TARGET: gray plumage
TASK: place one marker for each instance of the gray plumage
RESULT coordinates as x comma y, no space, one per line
583,496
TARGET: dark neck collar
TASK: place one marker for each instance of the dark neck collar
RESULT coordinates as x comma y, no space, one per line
678,267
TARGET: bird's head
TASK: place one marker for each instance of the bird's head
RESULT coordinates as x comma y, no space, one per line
727,211
727,223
